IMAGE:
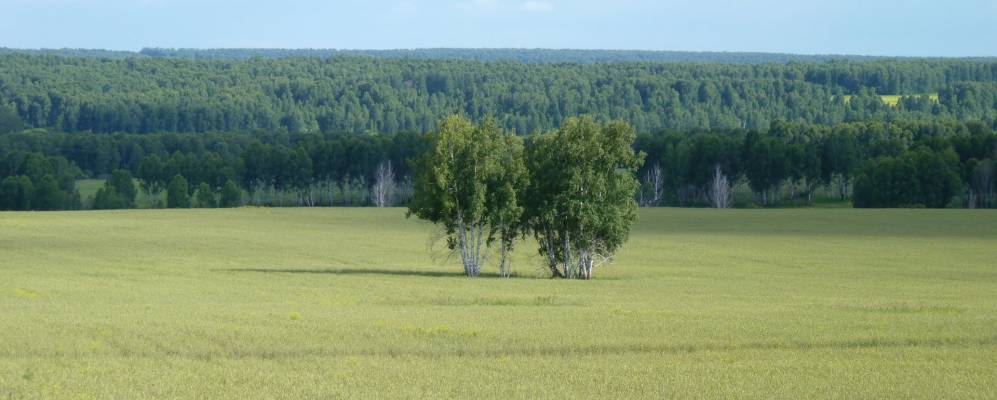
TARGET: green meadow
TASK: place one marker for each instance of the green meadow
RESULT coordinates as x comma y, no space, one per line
362,303
892,99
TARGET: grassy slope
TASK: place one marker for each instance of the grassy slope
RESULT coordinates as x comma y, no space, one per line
304,303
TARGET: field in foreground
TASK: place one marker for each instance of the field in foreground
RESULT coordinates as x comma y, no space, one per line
325,303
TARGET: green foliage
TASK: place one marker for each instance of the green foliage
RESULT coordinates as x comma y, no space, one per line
574,190
177,195
9,120
231,195
205,197
767,164
790,163
359,95
108,199
581,199
118,192
16,193
122,182
150,172
469,183
48,195
505,187
51,180
920,178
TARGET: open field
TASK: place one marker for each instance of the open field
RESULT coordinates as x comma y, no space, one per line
326,303
892,99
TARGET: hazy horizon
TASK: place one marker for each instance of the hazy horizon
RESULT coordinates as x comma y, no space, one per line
139,49
849,27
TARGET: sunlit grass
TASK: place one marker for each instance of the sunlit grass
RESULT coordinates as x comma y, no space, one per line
892,100
327,303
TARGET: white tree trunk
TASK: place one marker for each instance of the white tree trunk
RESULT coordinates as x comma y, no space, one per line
384,185
654,182
720,191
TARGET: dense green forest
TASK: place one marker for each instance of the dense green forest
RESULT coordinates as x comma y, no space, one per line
875,164
370,95
277,129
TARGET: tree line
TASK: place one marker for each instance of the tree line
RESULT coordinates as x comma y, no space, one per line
875,164
374,95
33,181
530,56
872,164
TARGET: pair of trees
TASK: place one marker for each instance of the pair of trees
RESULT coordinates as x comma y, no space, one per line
572,189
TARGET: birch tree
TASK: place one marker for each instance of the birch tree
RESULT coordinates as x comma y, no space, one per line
720,192
469,183
384,184
505,184
653,187
581,195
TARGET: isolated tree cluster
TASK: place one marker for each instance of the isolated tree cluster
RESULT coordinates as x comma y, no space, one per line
572,189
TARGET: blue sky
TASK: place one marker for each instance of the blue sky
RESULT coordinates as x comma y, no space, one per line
875,27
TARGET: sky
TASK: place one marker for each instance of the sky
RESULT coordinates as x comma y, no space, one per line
862,27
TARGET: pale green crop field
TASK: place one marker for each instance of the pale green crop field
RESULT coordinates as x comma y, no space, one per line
350,303
892,99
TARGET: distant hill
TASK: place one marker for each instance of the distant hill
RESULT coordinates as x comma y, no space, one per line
82,53
529,56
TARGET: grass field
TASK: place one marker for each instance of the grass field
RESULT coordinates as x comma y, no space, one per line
327,303
892,100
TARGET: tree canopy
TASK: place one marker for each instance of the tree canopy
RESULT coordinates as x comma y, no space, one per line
371,95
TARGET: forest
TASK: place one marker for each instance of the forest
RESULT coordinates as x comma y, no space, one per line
875,164
374,95
223,128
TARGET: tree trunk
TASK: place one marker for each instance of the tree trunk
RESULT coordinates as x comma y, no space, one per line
568,273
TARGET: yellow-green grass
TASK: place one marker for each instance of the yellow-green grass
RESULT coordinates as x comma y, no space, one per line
329,303
892,100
